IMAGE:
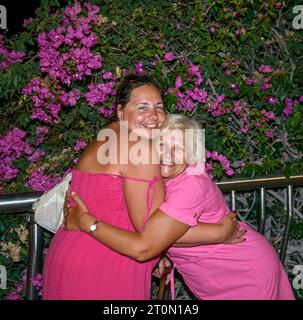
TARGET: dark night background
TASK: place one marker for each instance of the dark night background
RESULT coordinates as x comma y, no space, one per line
17,11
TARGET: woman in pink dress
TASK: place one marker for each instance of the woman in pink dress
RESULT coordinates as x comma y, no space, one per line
78,266
247,270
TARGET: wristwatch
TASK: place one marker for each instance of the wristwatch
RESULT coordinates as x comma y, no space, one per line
93,227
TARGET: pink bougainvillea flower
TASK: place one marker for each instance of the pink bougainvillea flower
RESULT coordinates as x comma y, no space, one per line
139,70
153,63
244,129
27,22
237,107
13,296
289,107
232,85
178,82
80,144
266,86
249,82
169,56
269,133
272,100
265,68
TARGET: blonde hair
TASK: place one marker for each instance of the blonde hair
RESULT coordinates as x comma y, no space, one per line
194,136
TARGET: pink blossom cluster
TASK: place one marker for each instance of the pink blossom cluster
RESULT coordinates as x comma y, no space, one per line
169,56
108,111
80,144
288,102
245,124
267,115
36,155
48,99
12,147
41,133
214,28
26,22
9,57
39,181
271,100
20,287
249,82
189,99
37,282
230,67
71,98
214,156
65,52
269,133
216,107
45,101
237,107
266,85
265,68
234,88
99,93
138,69
194,72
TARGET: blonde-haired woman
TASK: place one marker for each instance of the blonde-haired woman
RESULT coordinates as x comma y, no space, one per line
246,270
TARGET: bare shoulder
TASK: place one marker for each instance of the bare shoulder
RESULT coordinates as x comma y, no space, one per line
114,126
88,160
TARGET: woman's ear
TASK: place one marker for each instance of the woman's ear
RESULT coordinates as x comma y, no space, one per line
120,112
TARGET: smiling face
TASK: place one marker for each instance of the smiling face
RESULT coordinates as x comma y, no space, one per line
172,153
144,111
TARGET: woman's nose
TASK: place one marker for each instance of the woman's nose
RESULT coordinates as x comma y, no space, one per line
152,113
166,155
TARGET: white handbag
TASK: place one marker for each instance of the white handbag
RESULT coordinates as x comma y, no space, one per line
49,208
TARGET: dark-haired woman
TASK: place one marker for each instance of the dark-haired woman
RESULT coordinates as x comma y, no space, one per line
77,266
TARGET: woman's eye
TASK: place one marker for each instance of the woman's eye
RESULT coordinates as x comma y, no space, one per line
142,107
160,108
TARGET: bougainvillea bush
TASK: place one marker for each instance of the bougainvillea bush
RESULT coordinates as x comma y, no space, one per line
236,66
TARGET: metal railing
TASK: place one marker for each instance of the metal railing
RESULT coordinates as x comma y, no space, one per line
22,203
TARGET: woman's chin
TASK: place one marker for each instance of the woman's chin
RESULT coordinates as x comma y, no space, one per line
167,172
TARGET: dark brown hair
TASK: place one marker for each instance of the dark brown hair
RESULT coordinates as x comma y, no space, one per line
128,84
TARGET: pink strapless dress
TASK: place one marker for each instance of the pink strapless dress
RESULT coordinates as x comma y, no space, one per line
79,267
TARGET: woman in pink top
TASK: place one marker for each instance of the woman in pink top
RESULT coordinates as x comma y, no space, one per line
247,270
78,266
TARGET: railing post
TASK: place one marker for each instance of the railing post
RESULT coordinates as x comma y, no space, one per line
288,223
233,200
261,226
34,265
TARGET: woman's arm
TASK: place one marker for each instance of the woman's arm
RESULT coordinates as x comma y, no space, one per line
225,231
159,233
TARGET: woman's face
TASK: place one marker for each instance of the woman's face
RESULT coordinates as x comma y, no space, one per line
145,110
172,153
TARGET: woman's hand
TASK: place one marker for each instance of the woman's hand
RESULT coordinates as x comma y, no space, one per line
232,233
164,267
78,217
